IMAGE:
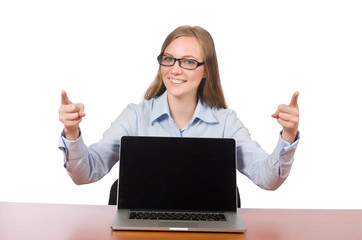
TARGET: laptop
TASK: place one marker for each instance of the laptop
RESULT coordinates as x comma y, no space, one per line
177,184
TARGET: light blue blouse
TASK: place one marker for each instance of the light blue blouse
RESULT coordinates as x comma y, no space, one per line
152,118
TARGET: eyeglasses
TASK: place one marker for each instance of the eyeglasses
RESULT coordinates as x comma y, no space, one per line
185,63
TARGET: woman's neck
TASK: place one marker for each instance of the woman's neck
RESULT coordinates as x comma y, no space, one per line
182,109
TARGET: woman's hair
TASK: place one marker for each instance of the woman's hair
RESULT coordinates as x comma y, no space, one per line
210,90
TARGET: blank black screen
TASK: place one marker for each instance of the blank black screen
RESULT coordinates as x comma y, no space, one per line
177,173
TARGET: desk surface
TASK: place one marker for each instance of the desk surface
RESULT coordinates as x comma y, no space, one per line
68,222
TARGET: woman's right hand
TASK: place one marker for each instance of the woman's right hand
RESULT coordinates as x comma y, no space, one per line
70,114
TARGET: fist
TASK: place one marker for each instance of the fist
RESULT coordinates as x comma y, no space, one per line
288,117
70,114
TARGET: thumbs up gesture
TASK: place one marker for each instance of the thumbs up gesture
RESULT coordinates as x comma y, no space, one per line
70,114
288,117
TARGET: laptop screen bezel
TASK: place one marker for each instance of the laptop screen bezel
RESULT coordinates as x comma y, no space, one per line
136,141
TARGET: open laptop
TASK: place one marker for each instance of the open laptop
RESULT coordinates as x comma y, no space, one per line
177,184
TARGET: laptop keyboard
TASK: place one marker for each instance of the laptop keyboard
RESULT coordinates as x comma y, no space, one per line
181,216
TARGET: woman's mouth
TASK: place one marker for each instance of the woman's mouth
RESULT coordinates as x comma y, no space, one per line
176,81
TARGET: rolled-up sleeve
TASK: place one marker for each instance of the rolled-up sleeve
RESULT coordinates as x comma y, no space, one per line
268,171
90,164
75,159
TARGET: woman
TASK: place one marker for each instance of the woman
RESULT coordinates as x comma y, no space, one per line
185,99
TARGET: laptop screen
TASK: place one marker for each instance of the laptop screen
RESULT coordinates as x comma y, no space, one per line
170,173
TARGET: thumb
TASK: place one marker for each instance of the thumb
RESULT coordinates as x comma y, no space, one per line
80,106
65,99
276,114
294,100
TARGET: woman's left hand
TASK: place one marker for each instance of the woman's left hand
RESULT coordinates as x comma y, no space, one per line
288,117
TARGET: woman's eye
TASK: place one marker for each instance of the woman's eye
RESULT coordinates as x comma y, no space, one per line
167,59
189,61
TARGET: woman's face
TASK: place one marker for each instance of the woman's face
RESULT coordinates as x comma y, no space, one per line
183,83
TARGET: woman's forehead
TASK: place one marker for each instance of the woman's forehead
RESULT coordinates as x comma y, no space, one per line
185,46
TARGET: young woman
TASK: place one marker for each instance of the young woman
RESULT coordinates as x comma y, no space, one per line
184,100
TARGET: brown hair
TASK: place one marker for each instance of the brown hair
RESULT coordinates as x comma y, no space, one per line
210,90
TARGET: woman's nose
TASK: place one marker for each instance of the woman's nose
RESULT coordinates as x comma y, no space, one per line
176,69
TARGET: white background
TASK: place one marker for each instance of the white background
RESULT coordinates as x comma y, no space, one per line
104,54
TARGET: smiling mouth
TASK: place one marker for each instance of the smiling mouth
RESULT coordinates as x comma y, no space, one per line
176,81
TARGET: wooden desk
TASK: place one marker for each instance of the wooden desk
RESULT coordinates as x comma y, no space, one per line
76,222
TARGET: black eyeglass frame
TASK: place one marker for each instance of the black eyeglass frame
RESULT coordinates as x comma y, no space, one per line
159,59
